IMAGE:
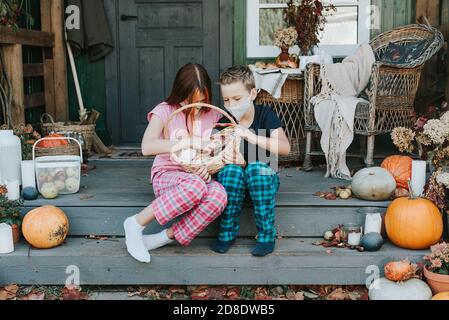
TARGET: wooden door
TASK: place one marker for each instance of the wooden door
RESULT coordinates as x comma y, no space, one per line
156,38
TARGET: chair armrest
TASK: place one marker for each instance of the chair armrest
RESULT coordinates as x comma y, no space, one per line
312,87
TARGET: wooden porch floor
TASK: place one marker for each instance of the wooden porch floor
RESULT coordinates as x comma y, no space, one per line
118,189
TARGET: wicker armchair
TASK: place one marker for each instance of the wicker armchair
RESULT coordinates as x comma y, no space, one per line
391,93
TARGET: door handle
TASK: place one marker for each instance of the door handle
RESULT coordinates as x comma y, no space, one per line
125,17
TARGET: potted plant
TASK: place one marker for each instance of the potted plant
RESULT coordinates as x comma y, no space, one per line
429,137
11,12
308,18
285,39
436,269
10,213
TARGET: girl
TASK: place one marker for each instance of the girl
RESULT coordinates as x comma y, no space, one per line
194,197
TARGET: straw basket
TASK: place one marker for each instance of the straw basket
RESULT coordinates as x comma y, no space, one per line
87,130
225,141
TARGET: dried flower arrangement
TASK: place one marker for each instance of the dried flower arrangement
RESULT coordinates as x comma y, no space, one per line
438,260
308,18
429,137
28,136
286,38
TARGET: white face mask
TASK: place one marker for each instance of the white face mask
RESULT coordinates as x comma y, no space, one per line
239,110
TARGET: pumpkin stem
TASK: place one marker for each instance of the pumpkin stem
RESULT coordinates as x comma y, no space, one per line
412,194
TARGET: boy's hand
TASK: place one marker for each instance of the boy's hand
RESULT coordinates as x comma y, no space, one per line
246,134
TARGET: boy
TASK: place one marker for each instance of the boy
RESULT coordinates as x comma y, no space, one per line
264,136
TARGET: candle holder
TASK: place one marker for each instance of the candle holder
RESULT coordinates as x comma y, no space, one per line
353,233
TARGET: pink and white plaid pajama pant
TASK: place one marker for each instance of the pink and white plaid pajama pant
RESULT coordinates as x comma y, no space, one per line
183,194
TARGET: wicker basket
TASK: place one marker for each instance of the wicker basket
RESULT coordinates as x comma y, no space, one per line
87,130
224,141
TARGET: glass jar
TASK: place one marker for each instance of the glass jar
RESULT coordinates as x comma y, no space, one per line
353,233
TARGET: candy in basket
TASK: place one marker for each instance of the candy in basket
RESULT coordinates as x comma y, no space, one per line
225,141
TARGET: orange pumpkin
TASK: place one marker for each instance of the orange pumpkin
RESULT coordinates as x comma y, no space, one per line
401,169
414,223
45,227
441,296
398,270
53,143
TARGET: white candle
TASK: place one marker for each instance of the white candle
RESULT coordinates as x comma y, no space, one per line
6,239
418,177
373,223
28,174
13,190
354,238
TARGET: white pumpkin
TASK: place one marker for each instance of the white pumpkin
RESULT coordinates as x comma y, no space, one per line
49,190
373,184
385,290
72,185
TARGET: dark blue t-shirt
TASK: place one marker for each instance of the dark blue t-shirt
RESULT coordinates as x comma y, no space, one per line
265,122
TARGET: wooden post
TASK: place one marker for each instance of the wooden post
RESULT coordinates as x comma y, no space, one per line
49,78
430,9
59,61
14,70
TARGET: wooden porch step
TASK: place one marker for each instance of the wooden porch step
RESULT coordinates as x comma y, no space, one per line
294,221
296,261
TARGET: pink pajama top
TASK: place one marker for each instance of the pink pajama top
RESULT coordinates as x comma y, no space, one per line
177,130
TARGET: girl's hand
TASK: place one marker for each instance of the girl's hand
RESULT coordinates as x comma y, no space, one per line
203,174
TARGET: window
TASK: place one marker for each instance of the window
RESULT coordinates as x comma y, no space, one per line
347,28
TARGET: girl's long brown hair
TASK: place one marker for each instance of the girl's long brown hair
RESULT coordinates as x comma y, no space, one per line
191,81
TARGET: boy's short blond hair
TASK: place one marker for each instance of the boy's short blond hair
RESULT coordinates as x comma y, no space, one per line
238,74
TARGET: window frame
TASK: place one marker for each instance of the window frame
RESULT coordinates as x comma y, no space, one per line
255,50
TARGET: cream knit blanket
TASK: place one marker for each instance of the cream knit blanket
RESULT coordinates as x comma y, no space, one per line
335,106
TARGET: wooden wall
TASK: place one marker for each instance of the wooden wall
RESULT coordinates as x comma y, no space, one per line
393,13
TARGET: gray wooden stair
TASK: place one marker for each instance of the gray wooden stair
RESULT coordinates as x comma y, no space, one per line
116,190
296,261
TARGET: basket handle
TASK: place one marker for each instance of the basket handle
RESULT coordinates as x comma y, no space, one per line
57,138
196,105
49,116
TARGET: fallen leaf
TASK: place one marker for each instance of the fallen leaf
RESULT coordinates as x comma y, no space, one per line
201,293
36,296
8,292
73,294
338,294
178,290
354,295
233,293
261,293
310,295
299,296
217,293
85,197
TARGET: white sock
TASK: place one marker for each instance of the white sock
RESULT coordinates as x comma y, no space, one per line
134,240
158,240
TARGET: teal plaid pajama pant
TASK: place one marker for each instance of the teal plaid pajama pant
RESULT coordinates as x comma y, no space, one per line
262,184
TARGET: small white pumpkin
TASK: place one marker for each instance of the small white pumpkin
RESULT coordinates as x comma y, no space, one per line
60,184
72,172
373,184
72,185
49,190
385,290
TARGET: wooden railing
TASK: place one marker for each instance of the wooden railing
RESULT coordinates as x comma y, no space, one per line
53,67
